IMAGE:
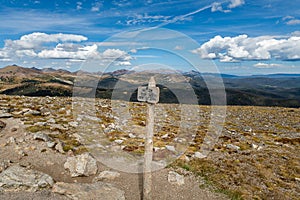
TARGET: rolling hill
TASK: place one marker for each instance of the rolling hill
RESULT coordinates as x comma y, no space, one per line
266,90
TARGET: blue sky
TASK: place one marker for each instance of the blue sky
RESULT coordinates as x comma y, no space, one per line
236,36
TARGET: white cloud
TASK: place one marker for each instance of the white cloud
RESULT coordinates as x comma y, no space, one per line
217,6
78,5
266,65
79,53
35,40
3,54
178,47
293,22
290,20
242,47
145,18
5,59
296,33
96,7
22,53
124,63
68,47
113,53
236,3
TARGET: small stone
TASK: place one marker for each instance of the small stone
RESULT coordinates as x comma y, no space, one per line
170,148
73,124
118,141
254,146
60,147
4,165
175,178
165,136
32,112
14,129
199,155
131,135
51,144
41,136
106,175
233,147
11,140
40,124
51,120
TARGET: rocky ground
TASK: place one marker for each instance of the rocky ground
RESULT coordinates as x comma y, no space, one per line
53,148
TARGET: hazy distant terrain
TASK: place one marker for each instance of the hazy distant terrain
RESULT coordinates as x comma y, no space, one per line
266,90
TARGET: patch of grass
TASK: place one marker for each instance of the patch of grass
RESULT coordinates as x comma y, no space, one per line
210,174
70,142
233,195
35,129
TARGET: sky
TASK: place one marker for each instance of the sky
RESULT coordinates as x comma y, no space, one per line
241,37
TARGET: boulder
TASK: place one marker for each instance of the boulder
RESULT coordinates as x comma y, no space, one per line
99,190
16,178
175,178
81,165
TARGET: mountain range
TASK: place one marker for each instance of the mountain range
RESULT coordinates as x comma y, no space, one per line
257,90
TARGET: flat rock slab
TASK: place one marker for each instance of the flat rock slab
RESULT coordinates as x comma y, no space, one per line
16,178
99,191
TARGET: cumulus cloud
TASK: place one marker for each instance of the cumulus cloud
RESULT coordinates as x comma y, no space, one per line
242,47
67,47
35,40
3,54
75,52
217,6
28,52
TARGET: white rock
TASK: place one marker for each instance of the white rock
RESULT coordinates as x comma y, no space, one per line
81,165
175,178
73,124
165,136
233,147
41,136
40,124
60,147
199,155
51,120
170,148
119,141
51,144
131,135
